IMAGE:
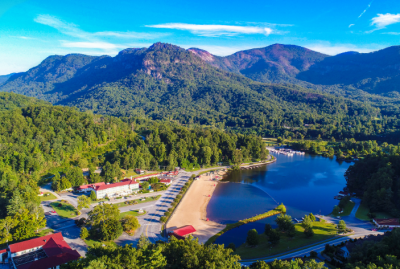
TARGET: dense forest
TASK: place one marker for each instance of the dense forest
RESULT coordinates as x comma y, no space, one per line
166,82
41,143
176,253
377,180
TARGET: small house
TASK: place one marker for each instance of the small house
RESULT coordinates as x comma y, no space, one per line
387,223
183,232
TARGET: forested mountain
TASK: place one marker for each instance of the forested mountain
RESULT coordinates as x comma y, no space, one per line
274,64
4,78
9,101
167,82
376,72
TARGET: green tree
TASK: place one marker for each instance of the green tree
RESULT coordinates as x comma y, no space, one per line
274,237
110,229
75,176
103,212
342,225
336,210
84,202
259,265
284,222
312,217
130,223
252,237
145,185
84,233
5,229
93,196
281,208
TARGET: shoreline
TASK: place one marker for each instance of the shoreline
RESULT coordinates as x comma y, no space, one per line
192,210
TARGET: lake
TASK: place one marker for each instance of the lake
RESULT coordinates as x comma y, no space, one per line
303,183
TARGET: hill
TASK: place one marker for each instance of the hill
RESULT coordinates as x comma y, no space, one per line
168,82
10,101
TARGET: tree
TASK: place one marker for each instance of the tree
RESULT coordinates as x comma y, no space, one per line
259,265
93,196
103,212
281,208
284,222
232,246
130,223
309,232
143,242
110,229
5,229
274,237
84,202
342,225
307,222
145,185
267,229
75,176
26,225
153,180
252,237
84,233
312,217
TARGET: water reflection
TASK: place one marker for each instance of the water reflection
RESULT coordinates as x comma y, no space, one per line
304,183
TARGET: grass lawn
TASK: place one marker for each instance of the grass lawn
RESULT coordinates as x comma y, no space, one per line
363,210
47,196
322,231
347,209
147,199
66,210
132,213
91,242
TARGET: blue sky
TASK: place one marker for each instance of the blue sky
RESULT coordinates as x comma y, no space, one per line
31,30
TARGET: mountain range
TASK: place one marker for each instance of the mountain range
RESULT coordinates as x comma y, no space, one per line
166,81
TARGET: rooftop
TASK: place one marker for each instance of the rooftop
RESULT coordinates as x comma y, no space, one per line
113,185
185,230
387,221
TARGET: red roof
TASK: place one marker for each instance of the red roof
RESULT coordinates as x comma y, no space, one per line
387,222
51,262
3,250
185,230
165,181
57,250
109,186
94,185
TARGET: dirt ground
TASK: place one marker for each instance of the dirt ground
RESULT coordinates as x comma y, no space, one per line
193,210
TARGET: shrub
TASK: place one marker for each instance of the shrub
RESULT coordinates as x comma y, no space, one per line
232,246
252,237
313,254
167,214
163,219
309,232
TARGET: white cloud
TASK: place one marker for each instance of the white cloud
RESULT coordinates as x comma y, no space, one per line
383,20
391,33
351,25
330,49
215,29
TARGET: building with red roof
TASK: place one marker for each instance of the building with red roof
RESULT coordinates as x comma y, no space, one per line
183,232
387,223
166,181
89,187
45,252
344,193
125,187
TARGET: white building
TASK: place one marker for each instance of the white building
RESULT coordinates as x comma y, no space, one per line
125,187
387,223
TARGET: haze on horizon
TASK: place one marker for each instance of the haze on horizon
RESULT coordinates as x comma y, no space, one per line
31,30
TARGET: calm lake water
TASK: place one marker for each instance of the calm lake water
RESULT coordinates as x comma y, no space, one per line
303,183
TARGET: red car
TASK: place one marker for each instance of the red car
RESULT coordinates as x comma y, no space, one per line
53,211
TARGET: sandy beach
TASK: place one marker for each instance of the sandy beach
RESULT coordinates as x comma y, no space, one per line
193,209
